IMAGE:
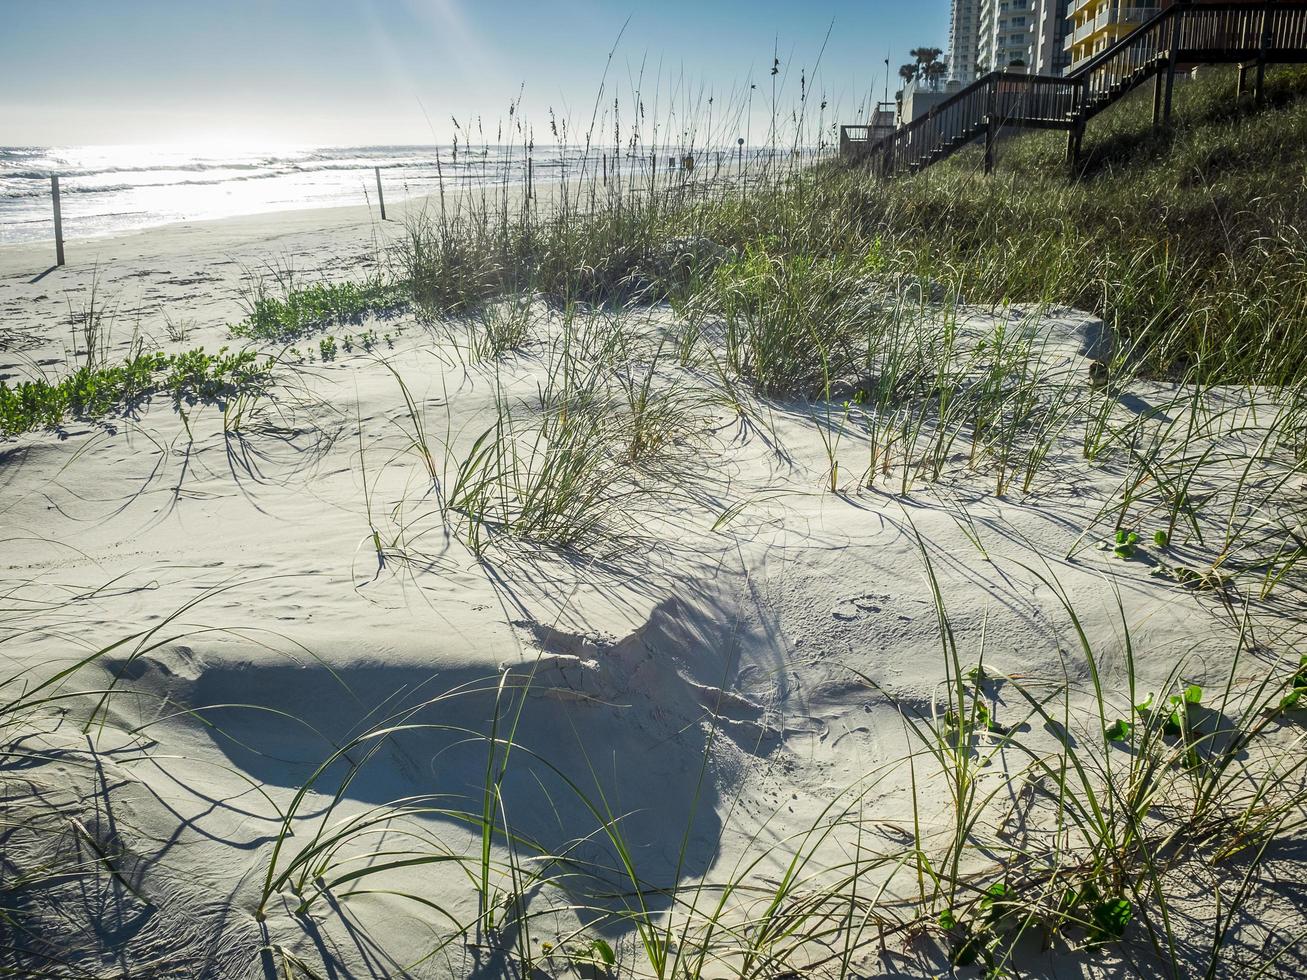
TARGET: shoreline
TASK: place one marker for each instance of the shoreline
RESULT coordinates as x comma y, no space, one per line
214,234
204,234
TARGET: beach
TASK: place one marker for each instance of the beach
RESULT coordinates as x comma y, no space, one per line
306,641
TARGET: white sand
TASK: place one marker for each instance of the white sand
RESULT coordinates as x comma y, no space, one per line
749,646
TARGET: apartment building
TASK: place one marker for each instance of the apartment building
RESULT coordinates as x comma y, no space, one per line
1049,25
963,40
1004,34
1096,24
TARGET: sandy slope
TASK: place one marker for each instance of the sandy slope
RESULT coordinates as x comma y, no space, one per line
716,683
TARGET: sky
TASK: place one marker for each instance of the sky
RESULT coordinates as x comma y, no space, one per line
367,72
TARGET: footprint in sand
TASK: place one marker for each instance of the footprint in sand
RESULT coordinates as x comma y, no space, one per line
855,607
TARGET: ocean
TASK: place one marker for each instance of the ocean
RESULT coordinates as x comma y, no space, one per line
106,190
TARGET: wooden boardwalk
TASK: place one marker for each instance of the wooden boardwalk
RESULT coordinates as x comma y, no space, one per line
1251,35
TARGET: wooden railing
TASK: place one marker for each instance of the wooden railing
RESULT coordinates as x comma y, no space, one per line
1188,32
1278,30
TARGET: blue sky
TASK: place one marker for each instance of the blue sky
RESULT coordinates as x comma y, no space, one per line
395,71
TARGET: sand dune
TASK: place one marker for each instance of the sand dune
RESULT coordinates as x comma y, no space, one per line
726,665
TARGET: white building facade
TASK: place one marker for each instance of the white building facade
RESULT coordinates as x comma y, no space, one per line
963,41
1049,26
1004,34
989,34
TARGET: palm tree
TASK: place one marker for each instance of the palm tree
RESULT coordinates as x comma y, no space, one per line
935,72
908,73
926,60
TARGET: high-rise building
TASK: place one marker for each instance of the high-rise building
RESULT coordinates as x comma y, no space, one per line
1004,34
1096,24
1049,26
963,40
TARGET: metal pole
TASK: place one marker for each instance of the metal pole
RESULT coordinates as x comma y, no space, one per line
58,223
381,198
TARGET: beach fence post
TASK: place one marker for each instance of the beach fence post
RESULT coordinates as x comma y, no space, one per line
58,222
381,198
530,176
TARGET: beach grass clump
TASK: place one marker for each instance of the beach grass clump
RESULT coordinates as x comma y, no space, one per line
93,392
572,467
792,322
499,327
551,482
447,266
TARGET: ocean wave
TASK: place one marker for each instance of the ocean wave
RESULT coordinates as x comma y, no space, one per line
47,172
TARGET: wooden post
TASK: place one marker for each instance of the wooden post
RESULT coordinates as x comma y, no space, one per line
1171,59
1157,98
605,156
381,198
1074,139
530,178
991,127
1259,91
58,223
1243,81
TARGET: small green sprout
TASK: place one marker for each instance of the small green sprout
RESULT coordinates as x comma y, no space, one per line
1177,709
1110,919
1162,539
1297,695
1119,731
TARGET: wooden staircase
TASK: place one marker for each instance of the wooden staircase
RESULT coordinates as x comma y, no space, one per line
1251,35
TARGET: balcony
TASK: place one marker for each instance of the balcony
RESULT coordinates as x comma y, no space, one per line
1129,17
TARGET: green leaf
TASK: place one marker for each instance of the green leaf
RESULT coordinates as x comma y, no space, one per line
1112,917
947,920
1193,694
1119,731
605,952
1161,539
1144,705
995,892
